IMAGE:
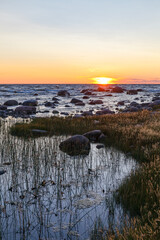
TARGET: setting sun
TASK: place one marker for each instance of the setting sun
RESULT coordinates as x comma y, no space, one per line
102,80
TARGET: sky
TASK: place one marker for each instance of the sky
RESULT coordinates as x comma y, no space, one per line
76,41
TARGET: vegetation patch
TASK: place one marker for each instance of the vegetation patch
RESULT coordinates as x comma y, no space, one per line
137,134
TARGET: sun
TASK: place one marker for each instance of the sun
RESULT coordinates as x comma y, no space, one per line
102,80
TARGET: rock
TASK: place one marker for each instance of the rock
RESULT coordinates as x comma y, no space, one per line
100,89
49,104
31,102
117,90
102,138
80,104
2,171
67,105
104,111
63,93
155,103
55,99
88,93
93,135
93,102
75,145
132,92
11,103
55,112
100,146
121,103
85,90
87,113
108,95
85,97
25,110
65,113
3,107
75,100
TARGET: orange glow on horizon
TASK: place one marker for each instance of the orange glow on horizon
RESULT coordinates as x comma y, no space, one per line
103,80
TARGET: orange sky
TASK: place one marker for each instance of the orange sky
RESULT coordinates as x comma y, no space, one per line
55,44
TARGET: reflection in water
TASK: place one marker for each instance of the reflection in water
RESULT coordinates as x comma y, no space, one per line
46,194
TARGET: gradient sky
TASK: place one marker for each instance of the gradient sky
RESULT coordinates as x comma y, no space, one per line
73,41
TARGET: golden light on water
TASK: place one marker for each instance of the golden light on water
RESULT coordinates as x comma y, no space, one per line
102,80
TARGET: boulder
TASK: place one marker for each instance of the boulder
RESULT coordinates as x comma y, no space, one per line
104,111
93,135
55,99
11,103
100,146
85,97
25,110
49,104
75,100
3,107
2,171
31,102
87,113
93,102
63,93
75,145
80,104
121,103
88,93
55,112
117,90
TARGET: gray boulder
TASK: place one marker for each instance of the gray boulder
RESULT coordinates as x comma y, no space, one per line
75,145
31,102
25,110
11,103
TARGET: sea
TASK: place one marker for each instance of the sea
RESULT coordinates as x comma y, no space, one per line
45,92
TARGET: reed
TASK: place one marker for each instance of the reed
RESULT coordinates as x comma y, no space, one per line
137,134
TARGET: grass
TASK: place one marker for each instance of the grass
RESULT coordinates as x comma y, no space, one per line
135,133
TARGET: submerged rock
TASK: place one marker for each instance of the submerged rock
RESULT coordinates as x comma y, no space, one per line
75,145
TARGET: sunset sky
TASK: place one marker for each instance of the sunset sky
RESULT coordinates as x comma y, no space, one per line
76,41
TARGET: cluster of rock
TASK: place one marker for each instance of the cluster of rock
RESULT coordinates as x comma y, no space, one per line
29,107
80,144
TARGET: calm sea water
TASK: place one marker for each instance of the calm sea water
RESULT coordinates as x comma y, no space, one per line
45,92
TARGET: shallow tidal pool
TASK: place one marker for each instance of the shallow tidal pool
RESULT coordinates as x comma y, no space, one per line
47,194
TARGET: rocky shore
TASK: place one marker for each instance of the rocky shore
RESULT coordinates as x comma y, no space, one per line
89,102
